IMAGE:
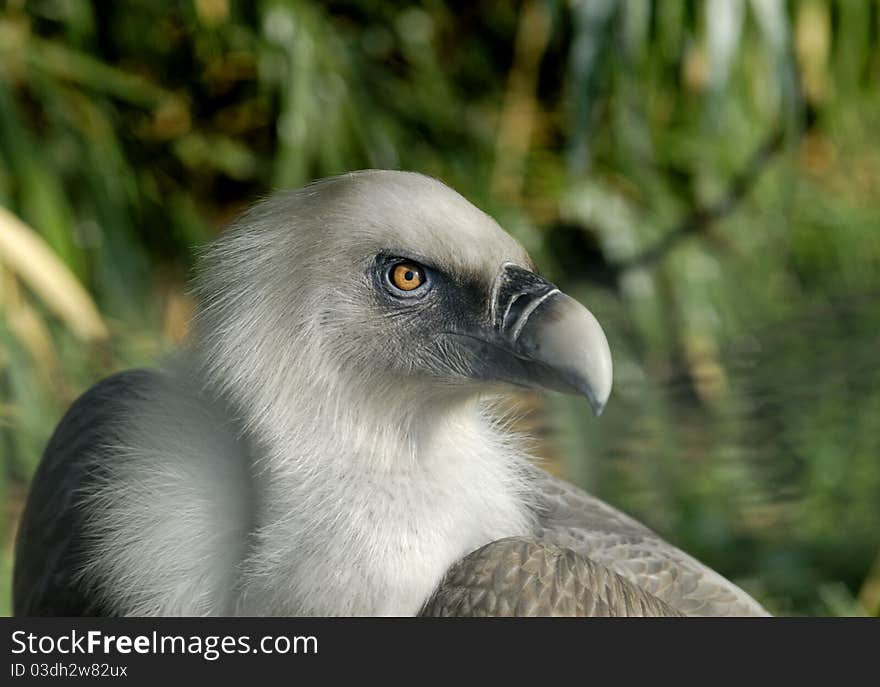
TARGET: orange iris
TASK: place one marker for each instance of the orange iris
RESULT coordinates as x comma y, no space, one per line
407,277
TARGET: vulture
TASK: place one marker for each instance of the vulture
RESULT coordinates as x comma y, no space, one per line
327,444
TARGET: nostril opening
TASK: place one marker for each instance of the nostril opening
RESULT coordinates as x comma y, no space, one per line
515,309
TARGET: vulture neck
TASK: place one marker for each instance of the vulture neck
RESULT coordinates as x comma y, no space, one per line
365,499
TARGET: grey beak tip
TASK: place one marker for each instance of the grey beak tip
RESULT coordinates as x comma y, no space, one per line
584,347
596,405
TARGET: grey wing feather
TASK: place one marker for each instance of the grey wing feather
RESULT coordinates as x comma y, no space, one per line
571,518
519,576
52,544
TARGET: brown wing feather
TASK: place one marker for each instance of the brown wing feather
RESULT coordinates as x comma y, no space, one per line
519,576
573,519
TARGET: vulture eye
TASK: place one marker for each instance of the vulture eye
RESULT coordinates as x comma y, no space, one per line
406,276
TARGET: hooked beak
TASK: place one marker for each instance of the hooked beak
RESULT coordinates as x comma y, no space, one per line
541,338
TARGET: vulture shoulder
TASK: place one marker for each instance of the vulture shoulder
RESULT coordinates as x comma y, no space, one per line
570,518
519,576
584,558
140,505
52,544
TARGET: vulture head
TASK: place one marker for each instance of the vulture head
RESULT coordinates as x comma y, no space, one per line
388,289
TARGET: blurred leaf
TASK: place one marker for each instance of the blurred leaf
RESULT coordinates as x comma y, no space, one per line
28,257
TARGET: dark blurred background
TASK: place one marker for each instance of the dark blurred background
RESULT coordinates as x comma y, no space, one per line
705,176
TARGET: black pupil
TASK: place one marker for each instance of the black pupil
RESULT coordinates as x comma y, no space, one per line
409,275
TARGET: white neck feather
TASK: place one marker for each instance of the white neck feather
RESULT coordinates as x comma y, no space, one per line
363,506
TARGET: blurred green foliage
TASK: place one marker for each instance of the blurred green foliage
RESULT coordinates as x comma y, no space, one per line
705,175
